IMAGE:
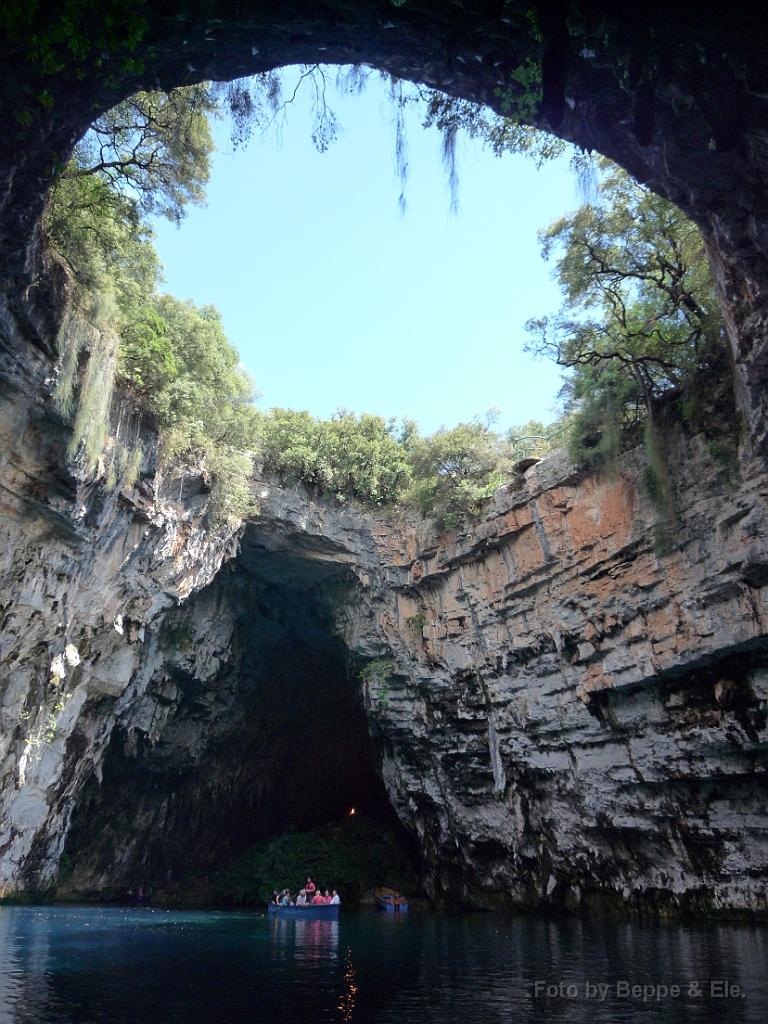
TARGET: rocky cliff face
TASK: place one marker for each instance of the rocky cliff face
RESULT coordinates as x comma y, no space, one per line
85,574
557,713
572,716
563,715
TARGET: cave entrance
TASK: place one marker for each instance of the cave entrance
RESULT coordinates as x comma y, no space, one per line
250,727
674,93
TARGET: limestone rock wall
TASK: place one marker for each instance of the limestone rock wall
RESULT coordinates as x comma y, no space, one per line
559,714
569,716
85,576
564,715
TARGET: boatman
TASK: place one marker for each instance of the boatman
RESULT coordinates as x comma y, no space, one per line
309,888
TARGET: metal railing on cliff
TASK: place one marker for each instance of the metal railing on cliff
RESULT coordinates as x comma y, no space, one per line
536,446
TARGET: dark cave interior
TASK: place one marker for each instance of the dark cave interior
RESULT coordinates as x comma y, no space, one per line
251,727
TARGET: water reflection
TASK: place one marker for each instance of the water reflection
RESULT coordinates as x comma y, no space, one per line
309,942
9,974
64,965
347,1000
24,963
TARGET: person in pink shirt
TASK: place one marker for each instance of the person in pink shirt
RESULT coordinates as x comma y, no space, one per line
318,897
327,897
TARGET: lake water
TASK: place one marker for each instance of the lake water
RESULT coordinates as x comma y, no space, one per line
72,965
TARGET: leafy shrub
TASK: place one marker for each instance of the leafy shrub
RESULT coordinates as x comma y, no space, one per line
376,676
147,356
230,496
348,456
640,319
454,471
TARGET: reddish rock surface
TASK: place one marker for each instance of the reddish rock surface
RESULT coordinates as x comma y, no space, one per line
561,714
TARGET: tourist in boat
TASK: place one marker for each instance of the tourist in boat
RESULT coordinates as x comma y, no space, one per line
285,898
310,889
327,897
317,899
301,899
335,897
275,897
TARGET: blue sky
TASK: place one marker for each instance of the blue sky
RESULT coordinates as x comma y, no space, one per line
333,298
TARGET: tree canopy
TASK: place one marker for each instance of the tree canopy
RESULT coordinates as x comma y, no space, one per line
640,317
348,456
455,470
153,149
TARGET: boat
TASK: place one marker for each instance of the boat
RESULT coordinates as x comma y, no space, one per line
392,901
310,912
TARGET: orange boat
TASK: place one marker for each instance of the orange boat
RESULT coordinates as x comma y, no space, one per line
392,901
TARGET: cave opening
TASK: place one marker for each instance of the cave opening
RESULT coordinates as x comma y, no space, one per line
251,726
656,92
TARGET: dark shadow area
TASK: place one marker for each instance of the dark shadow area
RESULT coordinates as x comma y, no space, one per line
251,727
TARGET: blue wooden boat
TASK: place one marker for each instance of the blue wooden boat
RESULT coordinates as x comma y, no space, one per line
392,901
312,912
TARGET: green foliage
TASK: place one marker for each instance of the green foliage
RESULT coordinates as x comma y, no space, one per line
454,471
521,102
152,150
596,435
147,356
416,623
209,398
500,134
230,496
150,154
107,250
640,319
205,407
348,456
352,857
72,36
100,238
113,267
375,676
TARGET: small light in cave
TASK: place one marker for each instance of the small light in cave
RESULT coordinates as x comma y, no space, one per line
352,811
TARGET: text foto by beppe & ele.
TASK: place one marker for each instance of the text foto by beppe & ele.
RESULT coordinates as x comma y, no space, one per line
647,993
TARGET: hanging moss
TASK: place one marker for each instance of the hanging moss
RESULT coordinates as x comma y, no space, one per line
124,467
658,485
84,396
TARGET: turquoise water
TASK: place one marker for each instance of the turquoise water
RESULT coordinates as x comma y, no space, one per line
86,965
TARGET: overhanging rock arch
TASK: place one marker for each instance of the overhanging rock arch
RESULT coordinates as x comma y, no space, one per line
675,93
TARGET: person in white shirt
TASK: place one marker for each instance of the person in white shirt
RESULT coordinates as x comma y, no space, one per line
335,897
